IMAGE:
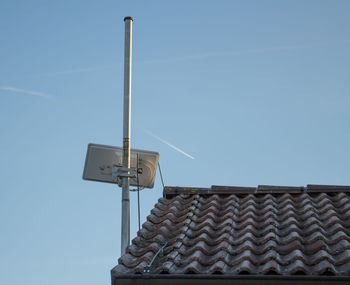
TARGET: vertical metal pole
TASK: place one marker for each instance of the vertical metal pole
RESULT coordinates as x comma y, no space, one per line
125,235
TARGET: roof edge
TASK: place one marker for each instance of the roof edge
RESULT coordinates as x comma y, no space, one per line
233,277
170,191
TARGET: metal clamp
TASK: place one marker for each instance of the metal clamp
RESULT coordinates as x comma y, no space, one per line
120,172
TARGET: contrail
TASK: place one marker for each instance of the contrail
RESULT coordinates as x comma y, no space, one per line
169,144
24,91
205,55
228,53
76,70
196,56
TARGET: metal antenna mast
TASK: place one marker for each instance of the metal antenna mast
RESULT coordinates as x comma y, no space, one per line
126,134
103,162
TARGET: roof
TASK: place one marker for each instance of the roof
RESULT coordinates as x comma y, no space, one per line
244,232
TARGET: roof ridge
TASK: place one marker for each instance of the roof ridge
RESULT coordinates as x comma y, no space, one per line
170,191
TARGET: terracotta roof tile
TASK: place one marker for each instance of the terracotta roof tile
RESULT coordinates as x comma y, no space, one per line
245,230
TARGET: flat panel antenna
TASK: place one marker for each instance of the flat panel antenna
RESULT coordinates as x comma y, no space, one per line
104,163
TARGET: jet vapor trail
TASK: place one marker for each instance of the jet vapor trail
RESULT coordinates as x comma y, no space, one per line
76,70
24,91
169,144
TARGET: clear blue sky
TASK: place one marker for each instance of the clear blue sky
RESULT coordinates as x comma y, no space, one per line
257,91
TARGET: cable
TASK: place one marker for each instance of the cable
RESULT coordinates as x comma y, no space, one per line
147,268
161,176
138,189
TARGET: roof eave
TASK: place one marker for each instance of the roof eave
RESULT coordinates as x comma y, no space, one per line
184,279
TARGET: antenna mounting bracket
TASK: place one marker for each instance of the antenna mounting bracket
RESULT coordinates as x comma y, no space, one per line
120,172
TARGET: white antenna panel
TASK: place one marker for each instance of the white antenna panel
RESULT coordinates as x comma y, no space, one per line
100,160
